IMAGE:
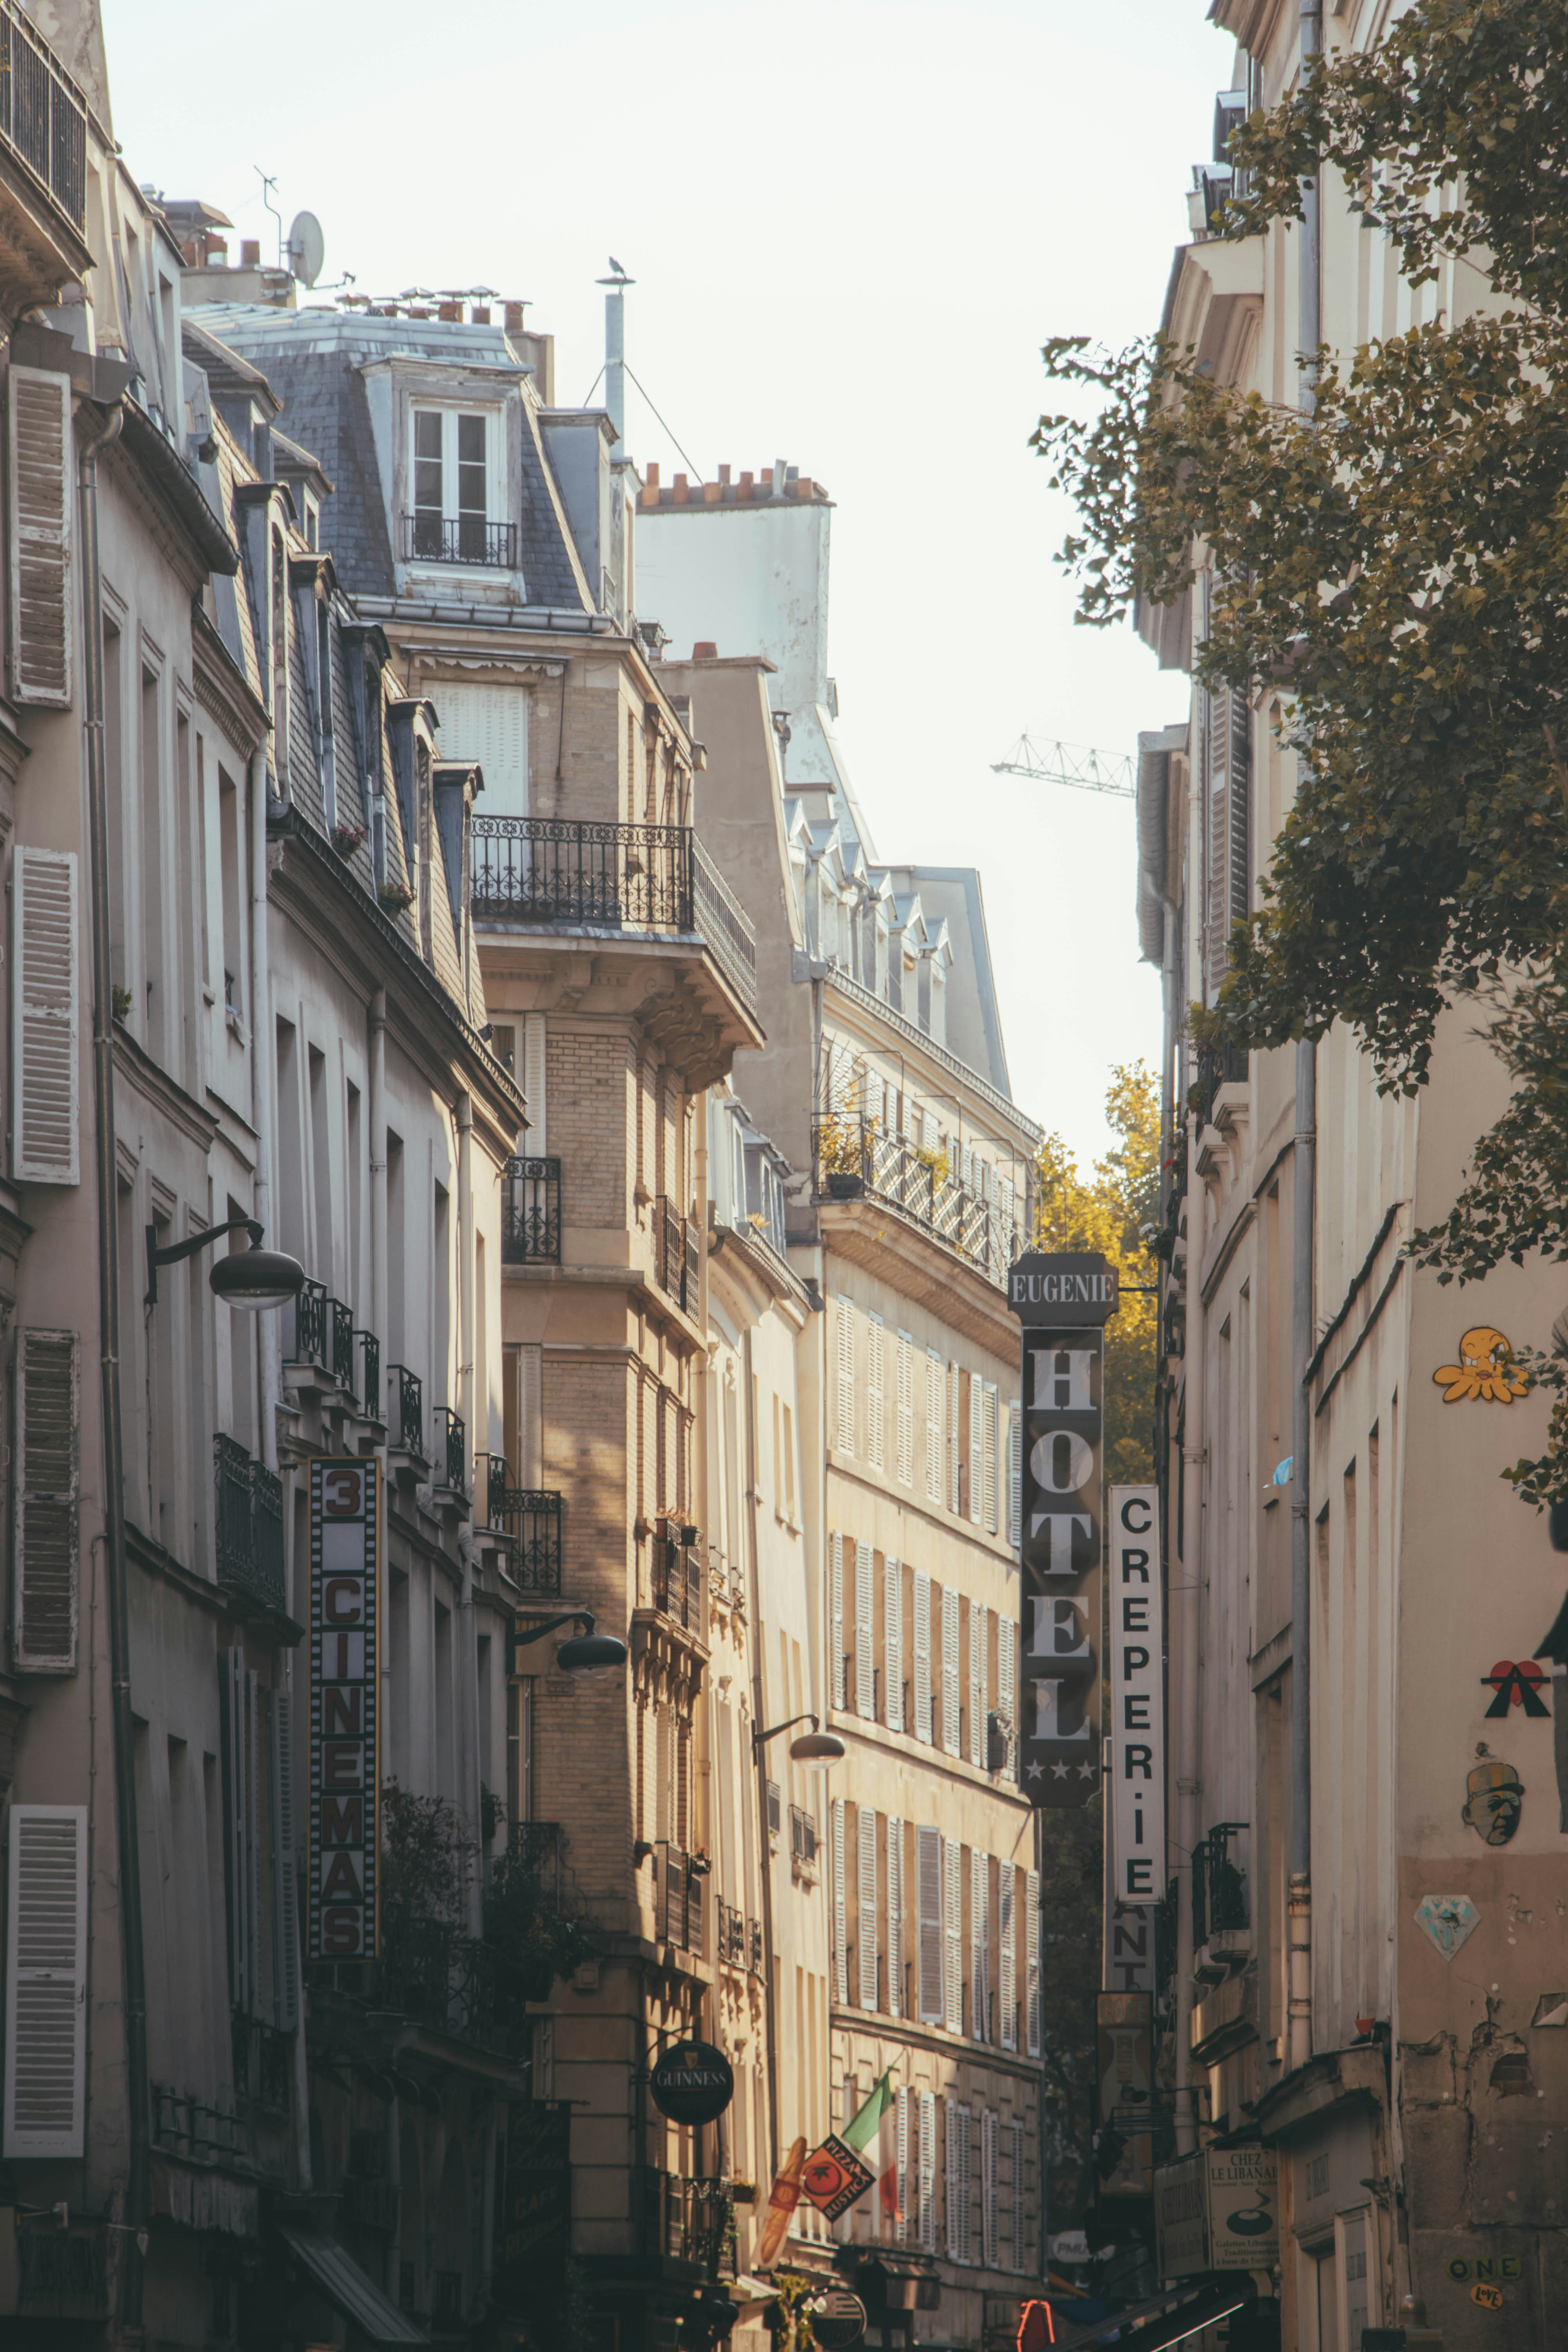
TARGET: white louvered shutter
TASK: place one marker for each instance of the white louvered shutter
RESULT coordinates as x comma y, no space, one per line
952,1933
1007,1965
893,1644
989,1421
46,1981
285,1886
536,1142
1017,2260
865,1676
901,2217
959,2246
845,1430
40,503
238,1692
953,1450
979,1945
936,1397
1007,1212
927,2173
490,724
866,1823
1015,1475
976,1450
1007,1687
835,1619
876,1393
906,1415
1032,1962
895,1918
840,1909
950,1706
928,1906
977,1682
45,1116
922,1654
988,2139
47,1501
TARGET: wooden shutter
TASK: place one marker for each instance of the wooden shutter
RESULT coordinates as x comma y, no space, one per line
1032,1962
533,1081
46,1981
876,1393
901,2217
958,2238
928,2171
835,1618
45,1102
865,1677
1007,1686
845,1432
1007,1215
40,501
949,1699
952,1933
979,1945
896,1923
1239,750
990,1435
953,1450
977,1679
923,1655
237,1697
46,1506
866,1825
285,1886
936,1386
906,1409
976,1450
1008,1961
1015,1475
1018,2249
840,1908
988,2137
928,1909
893,1644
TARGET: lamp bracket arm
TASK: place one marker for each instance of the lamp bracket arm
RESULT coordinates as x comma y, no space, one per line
176,1251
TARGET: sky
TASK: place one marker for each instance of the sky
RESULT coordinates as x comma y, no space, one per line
851,226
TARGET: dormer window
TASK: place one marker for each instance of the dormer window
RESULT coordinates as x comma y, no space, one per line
455,490
312,525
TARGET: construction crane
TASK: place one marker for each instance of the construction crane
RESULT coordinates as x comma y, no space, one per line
1069,763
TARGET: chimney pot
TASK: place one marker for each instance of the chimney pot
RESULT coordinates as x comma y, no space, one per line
514,318
705,650
250,253
479,316
683,491
651,475
724,473
450,310
748,483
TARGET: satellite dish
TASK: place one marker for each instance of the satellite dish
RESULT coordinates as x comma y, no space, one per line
307,247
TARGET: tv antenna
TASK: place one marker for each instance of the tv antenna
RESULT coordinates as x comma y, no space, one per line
1087,770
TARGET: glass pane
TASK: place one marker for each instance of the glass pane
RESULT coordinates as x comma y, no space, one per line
427,433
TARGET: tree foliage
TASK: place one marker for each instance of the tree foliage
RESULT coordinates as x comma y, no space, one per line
1390,576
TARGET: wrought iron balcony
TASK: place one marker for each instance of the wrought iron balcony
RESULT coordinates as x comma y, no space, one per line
729,1935
683,2221
451,1450
530,1517
249,1520
311,1344
853,1158
1216,1067
430,538
405,1413
677,1581
653,877
341,1343
530,1213
675,1253
754,1948
370,1374
43,115
680,1900
537,1845
1219,1886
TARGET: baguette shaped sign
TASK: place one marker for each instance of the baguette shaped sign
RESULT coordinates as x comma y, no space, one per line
1063,1300
346,1774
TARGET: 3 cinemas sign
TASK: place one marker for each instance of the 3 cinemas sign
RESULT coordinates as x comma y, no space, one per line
345,1780
1063,1301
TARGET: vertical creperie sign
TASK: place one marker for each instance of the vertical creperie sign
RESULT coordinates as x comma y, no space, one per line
345,1780
1063,1300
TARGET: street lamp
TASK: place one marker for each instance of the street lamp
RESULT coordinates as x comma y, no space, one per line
586,1653
812,1746
255,1277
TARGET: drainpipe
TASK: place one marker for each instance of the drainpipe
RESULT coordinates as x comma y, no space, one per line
1187,1614
759,1759
1304,1188
378,1169
467,1384
263,1097
133,1958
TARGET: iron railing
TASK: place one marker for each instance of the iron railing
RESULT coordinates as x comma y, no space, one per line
1216,1066
852,1156
802,1834
451,1449
530,1517
677,1581
341,1343
675,1253
684,2221
530,1213
754,1947
537,1845
729,1935
249,1520
459,539
658,877
311,1342
680,1900
43,115
1219,1886
405,1419
370,1374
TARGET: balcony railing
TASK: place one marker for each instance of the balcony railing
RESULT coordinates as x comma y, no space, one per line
530,1517
802,1835
675,1253
451,1450
1219,1886
683,2221
729,1935
431,538
43,115
370,1374
341,1343
405,1413
249,1521
656,877
530,1213
311,1339
537,1845
680,1900
853,1157
677,1581
1216,1067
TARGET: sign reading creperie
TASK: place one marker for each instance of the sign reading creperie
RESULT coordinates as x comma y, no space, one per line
345,1777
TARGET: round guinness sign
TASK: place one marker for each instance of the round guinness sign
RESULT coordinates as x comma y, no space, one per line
692,2083
837,2319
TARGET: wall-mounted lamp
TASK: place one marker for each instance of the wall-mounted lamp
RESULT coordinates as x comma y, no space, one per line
586,1652
255,1277
812,1746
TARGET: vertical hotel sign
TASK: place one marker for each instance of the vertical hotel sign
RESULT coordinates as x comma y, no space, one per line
345,1780
1063,1300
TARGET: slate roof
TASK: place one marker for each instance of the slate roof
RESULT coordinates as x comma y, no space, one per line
312,360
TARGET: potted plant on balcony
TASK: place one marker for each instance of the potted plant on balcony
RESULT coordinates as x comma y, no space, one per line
842,1140
346,838
533,1941
395,896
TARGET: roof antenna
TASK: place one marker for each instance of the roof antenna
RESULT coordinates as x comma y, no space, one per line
615,352
268,185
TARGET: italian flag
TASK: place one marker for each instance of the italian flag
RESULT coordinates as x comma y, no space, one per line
874,2136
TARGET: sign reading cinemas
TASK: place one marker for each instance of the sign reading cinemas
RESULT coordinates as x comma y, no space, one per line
1063,1300
345,1777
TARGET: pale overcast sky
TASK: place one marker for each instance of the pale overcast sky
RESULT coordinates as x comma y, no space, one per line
852,225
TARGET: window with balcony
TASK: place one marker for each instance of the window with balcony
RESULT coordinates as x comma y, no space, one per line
455,474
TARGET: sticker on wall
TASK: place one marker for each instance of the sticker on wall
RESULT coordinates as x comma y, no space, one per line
1449,1919
1552,2008
1486,1369
1516,1684
1494,1798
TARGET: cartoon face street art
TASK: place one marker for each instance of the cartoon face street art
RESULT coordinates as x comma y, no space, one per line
1486,1370
1494,1800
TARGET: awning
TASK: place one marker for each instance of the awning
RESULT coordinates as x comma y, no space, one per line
348,2288
1146,2326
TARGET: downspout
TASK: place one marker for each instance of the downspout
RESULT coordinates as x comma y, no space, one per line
263,1097
759,1759
378,1168
133,1967
1187,1613
468,1390
702,1514
1304,1190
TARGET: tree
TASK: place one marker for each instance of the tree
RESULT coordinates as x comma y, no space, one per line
1392,563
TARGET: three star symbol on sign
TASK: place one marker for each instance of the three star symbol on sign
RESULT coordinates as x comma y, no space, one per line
1059,1772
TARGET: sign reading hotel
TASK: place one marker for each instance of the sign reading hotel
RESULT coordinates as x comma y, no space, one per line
1136,1697
346,1779
1063,1299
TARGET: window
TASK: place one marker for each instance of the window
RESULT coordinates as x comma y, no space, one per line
45,1978
490,724
936,1398
893,1644
906,1410
980,1946
928,2171
1007,1970
979,1681
1032,1962
866,1822
988,1460
952,1438
896,1929
1015,1475
923,1655
454,475
876,1394
952,1933
949,1700
989,2135
976,1449
845,1433
1017,2249
864,1674
959,2247
840,1910
835,1618
928,1918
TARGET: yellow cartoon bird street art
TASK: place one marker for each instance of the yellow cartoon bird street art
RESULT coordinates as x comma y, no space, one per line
1486,1368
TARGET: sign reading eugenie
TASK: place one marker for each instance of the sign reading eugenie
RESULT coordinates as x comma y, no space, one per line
346,1779
1063,1299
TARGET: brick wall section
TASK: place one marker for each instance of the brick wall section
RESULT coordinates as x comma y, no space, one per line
591,1074
589,732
